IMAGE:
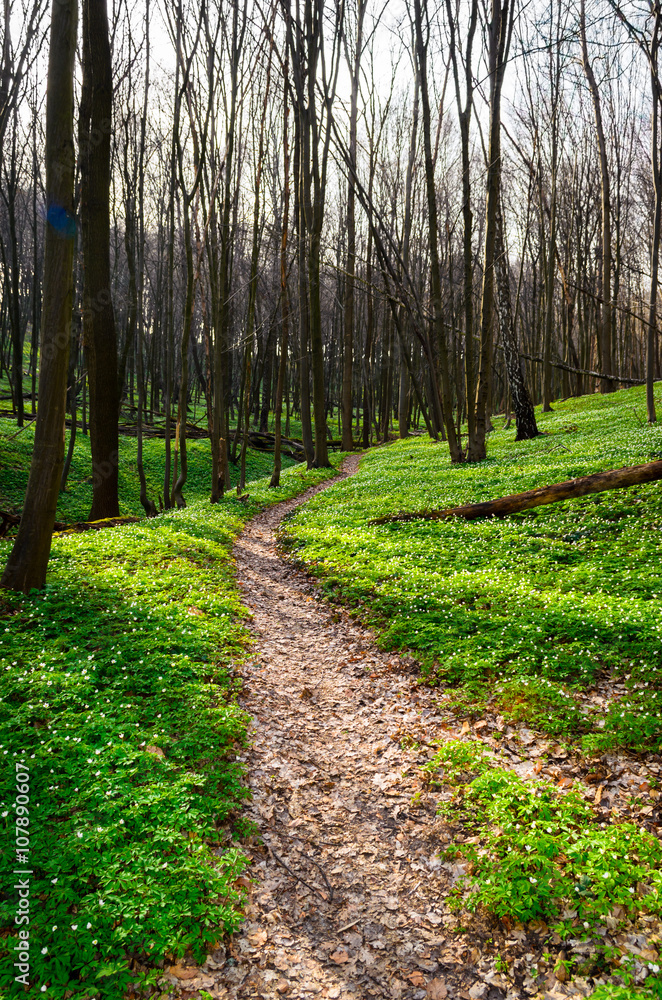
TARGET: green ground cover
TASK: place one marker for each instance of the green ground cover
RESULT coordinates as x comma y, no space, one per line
74,505
527,612
539,849
536,854
117,693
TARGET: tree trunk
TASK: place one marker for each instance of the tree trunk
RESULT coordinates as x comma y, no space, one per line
651,332
464,116
525,417
369,328
304,309
605,321
284,298
98,319
177,490
148,505
445,417
71,404
348,317
499,31
26,567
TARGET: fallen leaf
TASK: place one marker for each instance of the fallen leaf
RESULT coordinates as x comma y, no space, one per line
339,956
417,979
598,793
480,725
181,972
437,990
465,728
258,938
157,751
560,970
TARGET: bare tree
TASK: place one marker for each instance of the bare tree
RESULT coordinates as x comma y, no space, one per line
422,34
353,60
313,68
606,305
499,31
99,337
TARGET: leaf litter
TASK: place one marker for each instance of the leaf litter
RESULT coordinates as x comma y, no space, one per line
349,897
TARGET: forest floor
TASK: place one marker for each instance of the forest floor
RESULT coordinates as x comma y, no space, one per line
456,730
354,885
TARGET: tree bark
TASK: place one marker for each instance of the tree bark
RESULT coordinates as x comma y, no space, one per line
651,333
605,319
26,567
148,505
445,417
284,297
252,284
499,32
350,270
464,117
304,307
99,336
525,417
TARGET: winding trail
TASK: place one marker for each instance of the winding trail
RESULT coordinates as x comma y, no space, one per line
349,900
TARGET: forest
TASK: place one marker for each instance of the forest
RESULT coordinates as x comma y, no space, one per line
330,499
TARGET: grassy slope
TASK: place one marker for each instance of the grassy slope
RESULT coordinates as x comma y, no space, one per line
74,505
531,609
115,690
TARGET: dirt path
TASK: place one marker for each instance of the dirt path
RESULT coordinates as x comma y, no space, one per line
349,901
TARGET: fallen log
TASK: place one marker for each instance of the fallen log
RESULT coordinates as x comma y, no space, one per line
62,528
154,431
265,441
616,479
10,520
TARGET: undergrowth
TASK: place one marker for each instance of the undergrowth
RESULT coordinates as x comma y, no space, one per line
529,612
75,503
536,853
117,694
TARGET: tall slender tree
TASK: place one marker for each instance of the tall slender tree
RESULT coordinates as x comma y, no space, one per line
99,335
354,61
28,561
605,327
